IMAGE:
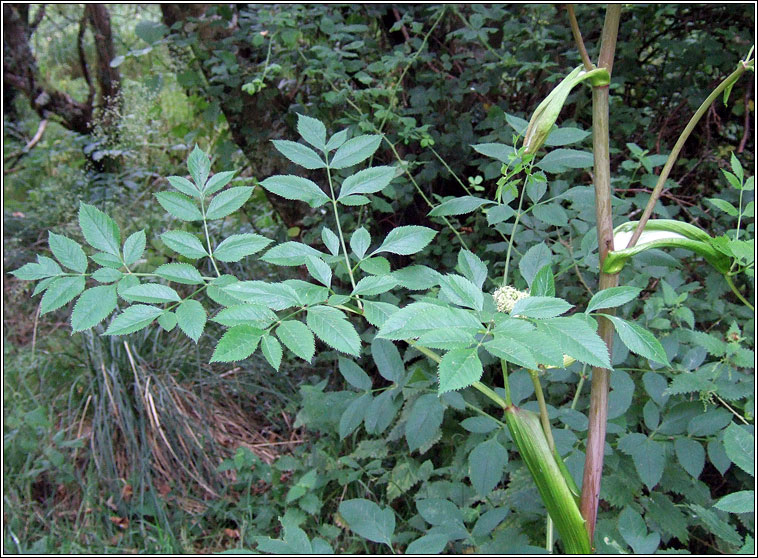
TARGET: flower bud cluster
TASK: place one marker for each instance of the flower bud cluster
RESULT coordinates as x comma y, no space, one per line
507,297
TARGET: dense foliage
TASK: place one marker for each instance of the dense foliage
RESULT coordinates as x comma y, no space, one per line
380,247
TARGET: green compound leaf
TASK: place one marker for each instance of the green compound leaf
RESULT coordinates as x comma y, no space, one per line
228,201
61,291
276,296
249,313
331,241
541,307
44,268
319,270
191,317
68,252
354,151
312,130
612,298
462,292
576,339
486,463
367,181
336,140
297,338
368,520
407,240
167,321
292,187
152,293
472,268
374,285
648,456
199,165
740,447
459,206
634,531
218,181
272,351
180,206
737,502
289,254
459,369
299,154
424,421
183,273
332,327
543,283
134,318
99,230
106,260
237,246
184,243
134,247
354,200
359,242
107,275
184,186
354,374
93,307
419,318
238,343
691,455
353,415
639,340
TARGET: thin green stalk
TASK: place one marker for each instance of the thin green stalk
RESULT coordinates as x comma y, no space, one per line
339,232
737,292
598,412
733,77
208,238
476,385
578,38
515,226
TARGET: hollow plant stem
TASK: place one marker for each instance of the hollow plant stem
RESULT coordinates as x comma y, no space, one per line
598,413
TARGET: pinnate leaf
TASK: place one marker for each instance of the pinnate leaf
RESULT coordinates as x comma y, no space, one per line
191,317
93,307
134,247
184,243
133,318
332,327
238,343
299,154
355,150
99,230
297,338
61,291
237,246
292,187
407,240
183,273
180,206
228,201
367,181
68,252
459,369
